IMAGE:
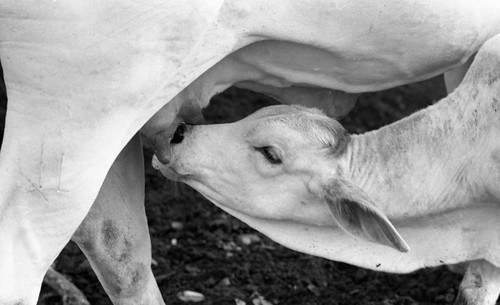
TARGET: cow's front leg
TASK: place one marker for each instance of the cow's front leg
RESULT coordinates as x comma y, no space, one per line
481,284
114,236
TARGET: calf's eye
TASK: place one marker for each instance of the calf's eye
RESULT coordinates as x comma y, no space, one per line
270,154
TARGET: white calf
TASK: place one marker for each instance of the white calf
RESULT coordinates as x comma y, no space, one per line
297,176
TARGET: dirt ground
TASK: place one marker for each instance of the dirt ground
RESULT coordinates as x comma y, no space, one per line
198,247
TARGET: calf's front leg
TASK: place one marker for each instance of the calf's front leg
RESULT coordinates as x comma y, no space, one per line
114,236
481,284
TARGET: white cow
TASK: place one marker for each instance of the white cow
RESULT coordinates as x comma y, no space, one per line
296,175
84,76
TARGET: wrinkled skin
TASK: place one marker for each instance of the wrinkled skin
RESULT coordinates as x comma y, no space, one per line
435,175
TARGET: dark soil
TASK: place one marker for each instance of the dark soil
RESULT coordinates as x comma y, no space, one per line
197,246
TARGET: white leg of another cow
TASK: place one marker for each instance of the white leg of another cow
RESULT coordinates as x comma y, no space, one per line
115,237
481,284
454,77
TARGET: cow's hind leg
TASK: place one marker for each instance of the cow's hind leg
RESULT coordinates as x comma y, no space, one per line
454,77
115,237
481,284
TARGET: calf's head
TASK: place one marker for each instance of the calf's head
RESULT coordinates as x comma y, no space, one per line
281,163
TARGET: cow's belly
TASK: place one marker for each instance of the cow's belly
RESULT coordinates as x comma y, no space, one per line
287,63
365,45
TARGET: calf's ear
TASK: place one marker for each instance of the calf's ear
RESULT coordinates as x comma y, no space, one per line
355,213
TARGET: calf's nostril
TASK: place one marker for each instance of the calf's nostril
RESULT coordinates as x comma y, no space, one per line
178,134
